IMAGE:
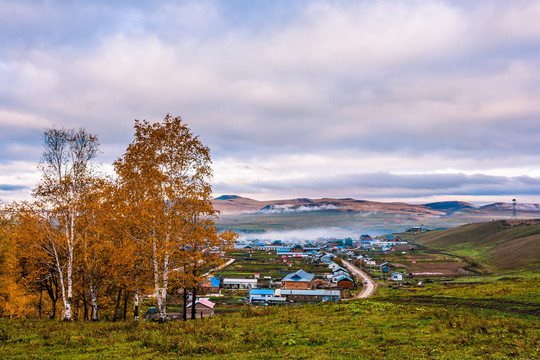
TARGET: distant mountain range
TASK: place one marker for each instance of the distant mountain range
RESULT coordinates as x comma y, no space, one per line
234,204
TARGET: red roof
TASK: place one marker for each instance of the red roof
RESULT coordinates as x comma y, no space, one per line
204,302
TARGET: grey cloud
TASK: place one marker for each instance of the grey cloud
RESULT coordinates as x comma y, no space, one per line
377,185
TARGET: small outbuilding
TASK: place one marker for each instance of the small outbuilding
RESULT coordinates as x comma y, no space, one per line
203,308
397,276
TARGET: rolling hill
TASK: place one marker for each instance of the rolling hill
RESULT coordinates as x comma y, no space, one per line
499,246
230,204
236,204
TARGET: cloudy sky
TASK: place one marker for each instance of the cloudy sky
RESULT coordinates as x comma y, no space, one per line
385,100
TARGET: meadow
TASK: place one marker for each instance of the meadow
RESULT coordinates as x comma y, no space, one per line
497,320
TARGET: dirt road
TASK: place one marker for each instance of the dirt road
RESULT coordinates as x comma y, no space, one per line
368,284
229,262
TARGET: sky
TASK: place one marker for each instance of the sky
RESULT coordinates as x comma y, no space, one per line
415,101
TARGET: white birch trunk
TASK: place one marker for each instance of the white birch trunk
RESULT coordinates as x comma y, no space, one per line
69,275
165,287
61,278
93,298
136,305
157,288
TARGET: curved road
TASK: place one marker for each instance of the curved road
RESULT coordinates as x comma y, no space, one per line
369,288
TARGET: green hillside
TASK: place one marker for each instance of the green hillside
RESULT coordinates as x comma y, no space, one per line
439,321
498,246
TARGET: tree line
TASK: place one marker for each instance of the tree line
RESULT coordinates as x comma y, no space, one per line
89,242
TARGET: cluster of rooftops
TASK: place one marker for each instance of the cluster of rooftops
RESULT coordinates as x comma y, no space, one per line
365,241
295,287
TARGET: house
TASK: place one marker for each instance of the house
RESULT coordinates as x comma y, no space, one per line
336,275
385,266
203,308
243,247
267,247
339,273
239,283
310,295
344,281
283,251
260,293
297,249
266,296
333,266
340,269
397,276
298,280
211,285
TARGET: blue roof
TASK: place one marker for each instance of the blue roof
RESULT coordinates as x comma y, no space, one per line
261,292
300,276
214,282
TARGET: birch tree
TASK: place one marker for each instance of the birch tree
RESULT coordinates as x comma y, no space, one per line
97,246
165,170
66,172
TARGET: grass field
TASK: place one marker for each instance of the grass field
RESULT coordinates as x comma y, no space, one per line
479,321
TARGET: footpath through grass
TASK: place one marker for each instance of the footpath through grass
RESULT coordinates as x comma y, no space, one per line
476,321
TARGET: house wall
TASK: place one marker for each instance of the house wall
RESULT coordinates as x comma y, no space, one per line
297,285
305,298
345,284
240,286
199,308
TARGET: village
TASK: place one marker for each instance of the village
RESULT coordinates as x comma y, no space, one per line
270,273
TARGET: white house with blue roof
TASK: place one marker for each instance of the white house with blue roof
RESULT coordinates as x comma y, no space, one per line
265,296
260,293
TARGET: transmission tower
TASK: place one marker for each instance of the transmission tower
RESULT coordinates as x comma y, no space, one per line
514,209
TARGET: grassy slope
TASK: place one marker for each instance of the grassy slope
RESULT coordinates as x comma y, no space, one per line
496,321
497,246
